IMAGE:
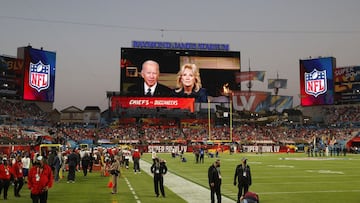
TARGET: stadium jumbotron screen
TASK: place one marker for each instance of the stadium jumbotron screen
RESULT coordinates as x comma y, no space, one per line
316,81
216,67
11,77
347,85
39,75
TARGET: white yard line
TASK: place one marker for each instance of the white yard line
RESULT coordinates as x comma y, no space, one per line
132,191
310,192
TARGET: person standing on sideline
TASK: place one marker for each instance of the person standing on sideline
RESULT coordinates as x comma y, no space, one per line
197,155
127,156
149,87
159,169
72,163
243,178
18,176
78,164
153,155
85,162
136,158
91,163
5,175
114,170
58,161
50,159
214,176
26,165
202,154
40,180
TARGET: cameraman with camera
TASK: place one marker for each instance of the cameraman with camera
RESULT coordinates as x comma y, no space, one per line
115,172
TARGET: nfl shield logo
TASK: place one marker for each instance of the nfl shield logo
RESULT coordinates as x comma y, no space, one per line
39,76
315,82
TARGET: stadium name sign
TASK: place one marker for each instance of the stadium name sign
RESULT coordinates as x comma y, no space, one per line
180,45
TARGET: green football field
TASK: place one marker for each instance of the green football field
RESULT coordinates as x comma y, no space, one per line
283,178
277,178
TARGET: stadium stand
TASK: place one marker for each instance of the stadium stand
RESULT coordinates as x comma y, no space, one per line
21,122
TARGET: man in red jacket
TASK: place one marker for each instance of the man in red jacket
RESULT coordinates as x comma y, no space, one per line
18,176
40,180
5,175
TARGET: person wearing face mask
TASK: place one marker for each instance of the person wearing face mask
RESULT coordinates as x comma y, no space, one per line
214,177
159,169
115,172
149,87
243,178
188,84
5,175
18,176
40,180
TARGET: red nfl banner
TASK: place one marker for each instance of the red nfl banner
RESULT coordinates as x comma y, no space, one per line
152,102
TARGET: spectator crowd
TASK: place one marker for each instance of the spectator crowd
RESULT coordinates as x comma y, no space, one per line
168,132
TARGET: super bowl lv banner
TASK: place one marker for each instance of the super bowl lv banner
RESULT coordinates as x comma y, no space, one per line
253,101
347,84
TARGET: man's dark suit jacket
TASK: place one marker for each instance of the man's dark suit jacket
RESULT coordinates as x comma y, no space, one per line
138,90
213,176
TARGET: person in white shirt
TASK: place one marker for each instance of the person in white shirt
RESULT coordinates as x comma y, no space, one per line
26,165
153,155
127,156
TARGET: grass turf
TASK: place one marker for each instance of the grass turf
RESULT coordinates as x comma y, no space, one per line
282,178
93,189
278,178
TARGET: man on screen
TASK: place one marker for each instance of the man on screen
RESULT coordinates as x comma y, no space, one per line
149,87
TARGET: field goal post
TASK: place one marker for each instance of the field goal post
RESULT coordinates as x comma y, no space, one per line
49,147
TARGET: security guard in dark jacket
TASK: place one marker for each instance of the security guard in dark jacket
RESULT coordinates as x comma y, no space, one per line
243,177
214,177
159,169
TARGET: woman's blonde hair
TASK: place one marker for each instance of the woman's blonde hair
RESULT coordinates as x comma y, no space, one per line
195,71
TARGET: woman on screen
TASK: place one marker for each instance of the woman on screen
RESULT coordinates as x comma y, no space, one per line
188,84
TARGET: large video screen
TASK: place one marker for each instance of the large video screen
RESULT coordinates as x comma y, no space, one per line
347,85
316,81
217,68
11,77
39,75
